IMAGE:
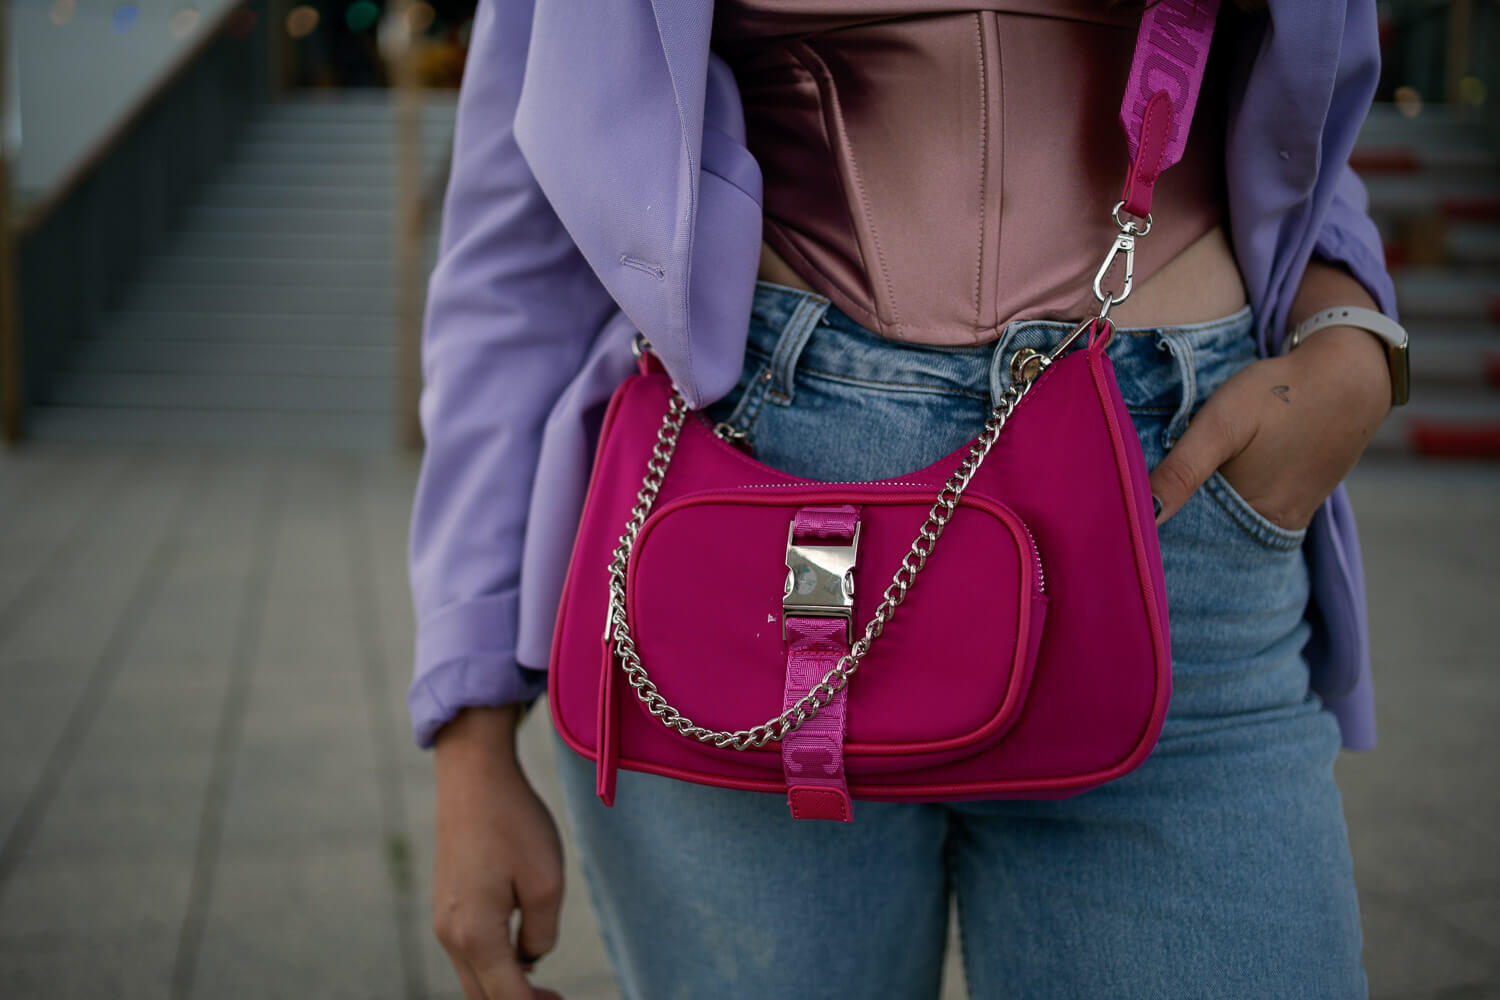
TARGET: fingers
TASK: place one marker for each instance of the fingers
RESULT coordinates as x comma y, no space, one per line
541,901
501,976
480,950
1211,439
491,974
467,980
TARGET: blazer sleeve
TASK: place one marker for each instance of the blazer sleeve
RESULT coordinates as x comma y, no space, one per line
1348,236
512,309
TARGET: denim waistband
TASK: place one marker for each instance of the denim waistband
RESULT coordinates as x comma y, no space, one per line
799,330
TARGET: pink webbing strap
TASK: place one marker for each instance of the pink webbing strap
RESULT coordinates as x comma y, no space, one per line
1171,51
812,756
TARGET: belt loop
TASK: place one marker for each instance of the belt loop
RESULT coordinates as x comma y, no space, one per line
1000,363
1181,350
789,345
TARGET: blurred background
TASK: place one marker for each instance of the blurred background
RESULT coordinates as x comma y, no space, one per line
216,222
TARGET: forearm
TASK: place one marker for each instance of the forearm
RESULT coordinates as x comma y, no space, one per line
1356,358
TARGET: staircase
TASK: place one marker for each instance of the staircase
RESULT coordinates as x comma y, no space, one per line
1434,188
269,317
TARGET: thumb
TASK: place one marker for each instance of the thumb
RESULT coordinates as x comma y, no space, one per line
1209,441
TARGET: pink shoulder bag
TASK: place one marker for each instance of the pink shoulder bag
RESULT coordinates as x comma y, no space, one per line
777,634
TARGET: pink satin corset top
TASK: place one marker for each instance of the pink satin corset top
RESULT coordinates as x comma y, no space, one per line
939,173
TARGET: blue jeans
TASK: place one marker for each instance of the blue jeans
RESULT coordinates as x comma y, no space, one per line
1219,868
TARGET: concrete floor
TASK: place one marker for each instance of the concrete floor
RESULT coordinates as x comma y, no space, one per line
208,788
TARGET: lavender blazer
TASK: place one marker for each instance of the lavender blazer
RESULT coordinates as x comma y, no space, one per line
601,186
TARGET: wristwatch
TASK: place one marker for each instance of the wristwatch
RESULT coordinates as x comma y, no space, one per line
1388,330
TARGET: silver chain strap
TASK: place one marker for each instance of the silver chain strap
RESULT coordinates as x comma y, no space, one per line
821,693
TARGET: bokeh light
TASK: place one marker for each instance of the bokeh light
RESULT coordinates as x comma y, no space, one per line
124,17
361,15
242,23
302,21
419,17
1471,90
183,21
1408,101
62,11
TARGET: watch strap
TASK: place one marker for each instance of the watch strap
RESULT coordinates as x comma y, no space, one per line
1377,323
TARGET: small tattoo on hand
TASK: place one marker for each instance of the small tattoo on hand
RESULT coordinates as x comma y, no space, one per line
1282,392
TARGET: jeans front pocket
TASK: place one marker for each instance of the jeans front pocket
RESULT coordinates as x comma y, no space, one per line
1255,524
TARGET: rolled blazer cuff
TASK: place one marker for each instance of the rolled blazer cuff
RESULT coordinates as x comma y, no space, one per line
465,658
1349,237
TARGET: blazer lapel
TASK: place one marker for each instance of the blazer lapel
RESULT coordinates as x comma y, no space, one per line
602,122
611,120
684,27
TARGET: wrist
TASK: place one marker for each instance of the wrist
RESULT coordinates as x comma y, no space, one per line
479,733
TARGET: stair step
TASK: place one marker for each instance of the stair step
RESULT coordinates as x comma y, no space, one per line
268,327
1453,409
344,300
1455,244
350,105
367,173
1401,195
1424,294
269,273
1433,126
1436,358
290,222
436,112
432,131
200,357
253,151
231,428
1404,157
229,196
1474,244
302,393
1454,439
236,246
1481,330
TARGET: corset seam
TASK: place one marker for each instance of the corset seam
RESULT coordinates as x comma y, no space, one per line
833,114
984,167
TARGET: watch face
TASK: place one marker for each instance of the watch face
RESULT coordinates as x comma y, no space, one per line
1400,364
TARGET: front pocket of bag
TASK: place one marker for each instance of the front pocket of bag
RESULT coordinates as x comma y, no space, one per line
946,677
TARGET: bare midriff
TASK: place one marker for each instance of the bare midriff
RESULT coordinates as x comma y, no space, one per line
938,172
1199,284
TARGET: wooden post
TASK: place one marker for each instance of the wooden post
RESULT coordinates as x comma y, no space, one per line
12,415
409,215
276,57
1460,24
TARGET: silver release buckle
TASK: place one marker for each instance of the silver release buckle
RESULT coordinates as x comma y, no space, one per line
820,581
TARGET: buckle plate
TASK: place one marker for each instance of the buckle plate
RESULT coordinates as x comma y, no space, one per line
820,581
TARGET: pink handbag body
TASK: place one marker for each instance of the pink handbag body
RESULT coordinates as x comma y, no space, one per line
828,641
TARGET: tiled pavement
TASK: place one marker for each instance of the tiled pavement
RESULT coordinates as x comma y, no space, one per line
207,787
